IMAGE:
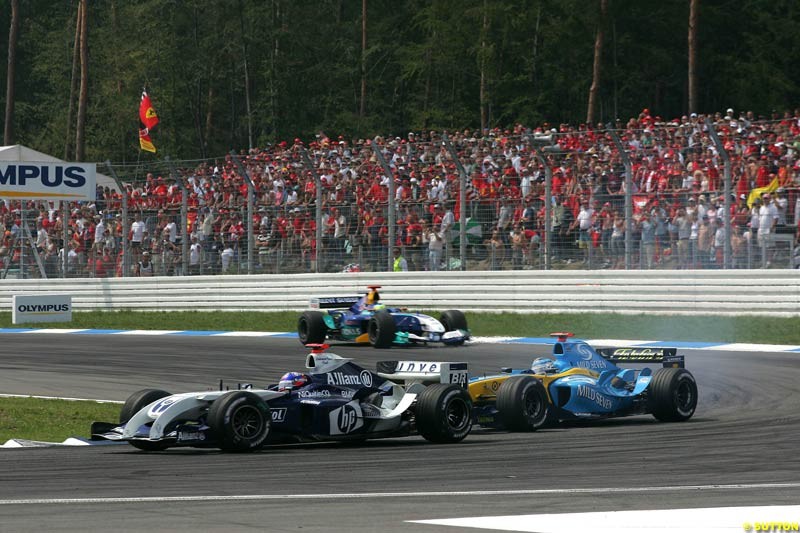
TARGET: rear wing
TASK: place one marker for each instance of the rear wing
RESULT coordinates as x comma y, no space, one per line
424,372
668,357
333,302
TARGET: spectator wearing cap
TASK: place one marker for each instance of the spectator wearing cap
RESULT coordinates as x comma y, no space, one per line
399,264
144,267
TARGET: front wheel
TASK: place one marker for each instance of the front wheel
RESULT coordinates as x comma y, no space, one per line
453,320
444,413
522,404
137,401
381,330
239,421
311,328
672,394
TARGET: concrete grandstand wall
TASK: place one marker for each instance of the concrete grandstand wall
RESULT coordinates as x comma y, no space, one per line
696,292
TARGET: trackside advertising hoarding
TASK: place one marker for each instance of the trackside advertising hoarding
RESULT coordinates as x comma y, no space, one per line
35,180
49,308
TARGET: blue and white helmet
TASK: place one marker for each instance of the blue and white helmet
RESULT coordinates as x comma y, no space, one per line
543,365
292,380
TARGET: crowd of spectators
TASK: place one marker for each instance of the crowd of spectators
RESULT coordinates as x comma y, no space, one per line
677,184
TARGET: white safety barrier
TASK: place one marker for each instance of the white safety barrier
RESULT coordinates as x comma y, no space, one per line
691,292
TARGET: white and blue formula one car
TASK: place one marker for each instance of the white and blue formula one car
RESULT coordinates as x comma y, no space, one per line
363,319
333,399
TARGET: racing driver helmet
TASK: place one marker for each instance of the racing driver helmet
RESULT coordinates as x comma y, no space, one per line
543,365
293,380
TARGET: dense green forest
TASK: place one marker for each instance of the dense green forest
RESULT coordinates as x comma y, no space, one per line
226,74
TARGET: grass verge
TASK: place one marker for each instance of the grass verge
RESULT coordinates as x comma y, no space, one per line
618,326
51,420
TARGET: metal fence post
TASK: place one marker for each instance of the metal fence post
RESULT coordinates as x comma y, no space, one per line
548,207
727,188
390,216
628,202
124,236
184,217
462,200
318,201
250,194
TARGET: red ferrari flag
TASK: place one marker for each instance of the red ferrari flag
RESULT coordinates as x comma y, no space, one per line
147,114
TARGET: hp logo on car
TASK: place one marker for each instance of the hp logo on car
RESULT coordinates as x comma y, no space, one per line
348,418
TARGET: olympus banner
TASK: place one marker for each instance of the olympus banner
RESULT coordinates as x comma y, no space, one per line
50,308
47,181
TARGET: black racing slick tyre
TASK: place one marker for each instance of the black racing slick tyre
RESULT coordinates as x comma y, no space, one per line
133,405
444,413
239,421
137,400
453,320
381,330
311,328
672,394
522,404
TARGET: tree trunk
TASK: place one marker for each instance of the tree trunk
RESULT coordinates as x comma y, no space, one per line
73,85
426,98
83,98
596,67
535,47
363,111
483,53
13,37
209,112
694,6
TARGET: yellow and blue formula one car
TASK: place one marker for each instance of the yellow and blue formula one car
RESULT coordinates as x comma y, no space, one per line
580,382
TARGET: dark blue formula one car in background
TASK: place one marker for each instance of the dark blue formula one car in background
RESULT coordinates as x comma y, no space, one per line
580,382
364,319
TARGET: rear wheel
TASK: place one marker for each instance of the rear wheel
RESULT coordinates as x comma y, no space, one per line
135,403
672,394
239,421
444,413
381,330
311,328
522,404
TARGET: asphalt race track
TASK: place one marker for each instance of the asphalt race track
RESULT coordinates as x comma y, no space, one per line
742,448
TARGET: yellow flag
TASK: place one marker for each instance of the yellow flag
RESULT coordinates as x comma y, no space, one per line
756,193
